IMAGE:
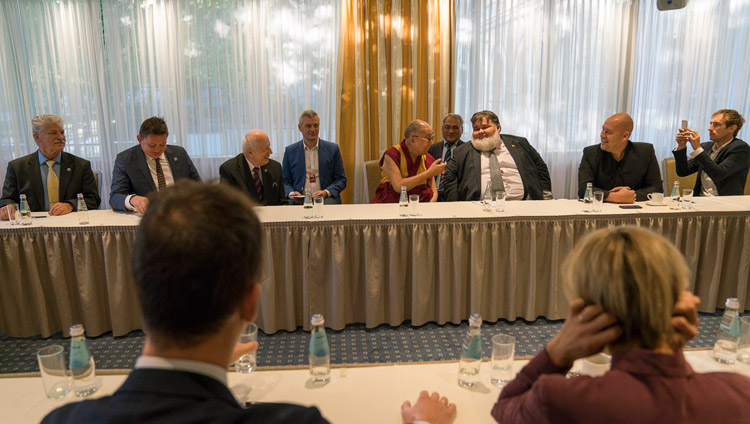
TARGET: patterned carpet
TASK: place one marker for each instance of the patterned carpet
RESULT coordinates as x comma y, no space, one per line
355,345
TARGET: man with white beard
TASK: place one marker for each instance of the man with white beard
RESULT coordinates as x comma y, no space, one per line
517,167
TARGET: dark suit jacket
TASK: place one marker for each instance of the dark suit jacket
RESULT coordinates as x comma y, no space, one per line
462,175
728,171
132,176
436,150
236,172
640,170
23,177
330,168
166,396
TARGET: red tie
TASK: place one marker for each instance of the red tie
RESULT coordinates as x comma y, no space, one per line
258,183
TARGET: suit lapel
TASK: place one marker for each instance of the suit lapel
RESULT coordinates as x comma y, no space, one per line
66,171
34,175
142,165
246,175
174,164
476,171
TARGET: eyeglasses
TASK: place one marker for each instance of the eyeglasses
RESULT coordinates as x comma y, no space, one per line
430,138
451,127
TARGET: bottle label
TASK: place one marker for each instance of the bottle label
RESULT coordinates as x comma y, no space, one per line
79,355
319,344
472,346
730,324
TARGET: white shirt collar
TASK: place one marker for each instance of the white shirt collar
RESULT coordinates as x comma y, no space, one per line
204,368
250,164
317,143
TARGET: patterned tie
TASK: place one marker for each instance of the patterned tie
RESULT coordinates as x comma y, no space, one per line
449,148
160,175
53,184
258,183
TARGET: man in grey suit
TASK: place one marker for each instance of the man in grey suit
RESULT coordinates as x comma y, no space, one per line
253,171
519,170
50,178
196,262
453,127
624,170
150,166
722,164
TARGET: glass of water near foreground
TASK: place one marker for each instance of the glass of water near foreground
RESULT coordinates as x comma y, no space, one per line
247,362
503,350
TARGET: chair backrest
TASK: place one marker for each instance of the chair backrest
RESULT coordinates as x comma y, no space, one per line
371,171
98,178
670,176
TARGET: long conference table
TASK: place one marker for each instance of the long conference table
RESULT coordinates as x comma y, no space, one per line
366,264
354,395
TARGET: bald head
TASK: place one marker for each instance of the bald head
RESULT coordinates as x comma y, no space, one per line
418,135
416,126
615,133
256,147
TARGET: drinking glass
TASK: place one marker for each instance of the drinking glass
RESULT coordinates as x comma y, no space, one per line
318,207
499,201
598,201
247,362
413,204
54,373
687,198
503,348
487,199
743,353
14,216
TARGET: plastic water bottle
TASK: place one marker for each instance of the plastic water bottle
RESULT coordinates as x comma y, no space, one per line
588,198
728,335
83,210
403,203
471,353
25,211
308,204
320,353
82,367
674,198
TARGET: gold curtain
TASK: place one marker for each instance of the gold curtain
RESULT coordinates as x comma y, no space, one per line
396,64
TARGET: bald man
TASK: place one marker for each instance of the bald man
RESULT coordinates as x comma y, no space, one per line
253,172
624,170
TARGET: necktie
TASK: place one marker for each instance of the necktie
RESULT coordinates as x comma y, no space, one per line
449,148
258,183
496,174
160,175
53,184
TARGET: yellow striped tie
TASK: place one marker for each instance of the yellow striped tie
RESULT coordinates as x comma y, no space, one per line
53,184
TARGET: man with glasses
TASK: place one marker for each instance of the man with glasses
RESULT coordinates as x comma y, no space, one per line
722,164
313,164
453,127
408,165
503,162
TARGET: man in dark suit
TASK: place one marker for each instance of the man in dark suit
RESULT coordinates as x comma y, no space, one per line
523,175
150,166
50,178
196,260
625,171
453,127
722,164
313,163
253,172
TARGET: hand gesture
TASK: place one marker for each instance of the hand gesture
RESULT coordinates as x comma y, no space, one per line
437,167
431,408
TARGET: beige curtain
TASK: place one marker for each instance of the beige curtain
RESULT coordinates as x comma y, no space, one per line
396,64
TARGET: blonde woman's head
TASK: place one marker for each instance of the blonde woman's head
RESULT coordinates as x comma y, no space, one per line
633,274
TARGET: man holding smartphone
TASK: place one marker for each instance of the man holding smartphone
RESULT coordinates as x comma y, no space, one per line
722,163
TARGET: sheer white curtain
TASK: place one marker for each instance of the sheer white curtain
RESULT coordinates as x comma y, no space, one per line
213,69
691,62
552,70
49,63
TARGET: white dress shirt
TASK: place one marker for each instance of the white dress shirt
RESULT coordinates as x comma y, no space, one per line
708,187
311,167
511,176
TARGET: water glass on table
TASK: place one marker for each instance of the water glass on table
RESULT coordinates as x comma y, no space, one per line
247,362
414,204
54,373
499,202
318,206
14,216
743,353
503,350
598,201
687,199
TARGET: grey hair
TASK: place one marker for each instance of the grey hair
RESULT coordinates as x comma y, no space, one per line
454,116
309,113
414,125
38,122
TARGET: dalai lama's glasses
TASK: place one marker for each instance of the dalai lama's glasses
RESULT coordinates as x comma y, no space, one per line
430,138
